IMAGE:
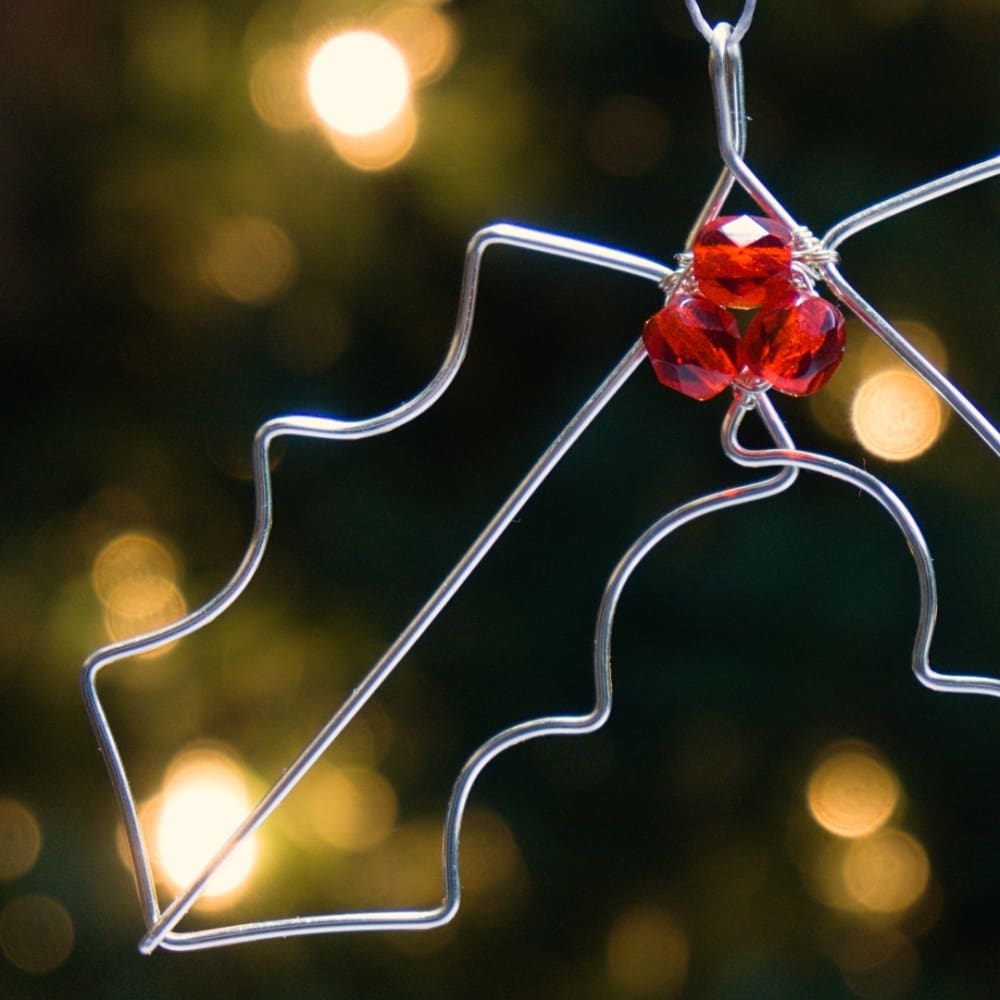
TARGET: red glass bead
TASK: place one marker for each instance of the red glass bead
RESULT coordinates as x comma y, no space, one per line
693,344
736,258
795,343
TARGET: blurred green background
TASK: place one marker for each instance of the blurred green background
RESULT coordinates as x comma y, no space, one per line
776,809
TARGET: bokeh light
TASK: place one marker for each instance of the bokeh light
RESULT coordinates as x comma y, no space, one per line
896,415
134,578
887,872
278,88
154,603
358,82
186,135
36,934
852,792
20,839
494,877
405,870
648,952
425,36
351,808
823,869
204,798
249,259
379,150
867,357
125,561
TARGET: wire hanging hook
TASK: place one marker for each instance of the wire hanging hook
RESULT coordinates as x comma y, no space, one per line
735,126
741,28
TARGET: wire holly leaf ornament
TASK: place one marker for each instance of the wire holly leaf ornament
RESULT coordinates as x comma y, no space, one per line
792,345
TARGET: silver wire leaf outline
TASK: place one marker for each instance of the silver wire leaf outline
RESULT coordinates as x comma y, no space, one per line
726,75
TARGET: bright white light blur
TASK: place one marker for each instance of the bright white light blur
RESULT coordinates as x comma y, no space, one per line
358,82
204,799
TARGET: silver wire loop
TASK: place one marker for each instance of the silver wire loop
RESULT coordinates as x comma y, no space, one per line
736,135
834,468
810,250
726,72
741,28
681,279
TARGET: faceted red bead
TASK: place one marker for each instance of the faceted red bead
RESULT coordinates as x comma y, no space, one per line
736,257
795,343
693,344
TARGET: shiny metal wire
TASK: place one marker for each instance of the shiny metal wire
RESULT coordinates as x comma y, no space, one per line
726,72
723,53
741,28
161,923
785,457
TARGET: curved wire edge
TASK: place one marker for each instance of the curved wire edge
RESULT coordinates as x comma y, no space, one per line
159,922
863,480
789,461
731,125
522,732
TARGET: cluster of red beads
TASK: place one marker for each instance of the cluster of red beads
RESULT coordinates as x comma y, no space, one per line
795,341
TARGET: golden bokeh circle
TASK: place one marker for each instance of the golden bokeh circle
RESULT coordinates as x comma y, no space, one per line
20,839
851,792
648,952
425,36
249,259
36,934
147,605
278,88
493,872
123,561
352,808
887,872
896,415
379,150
